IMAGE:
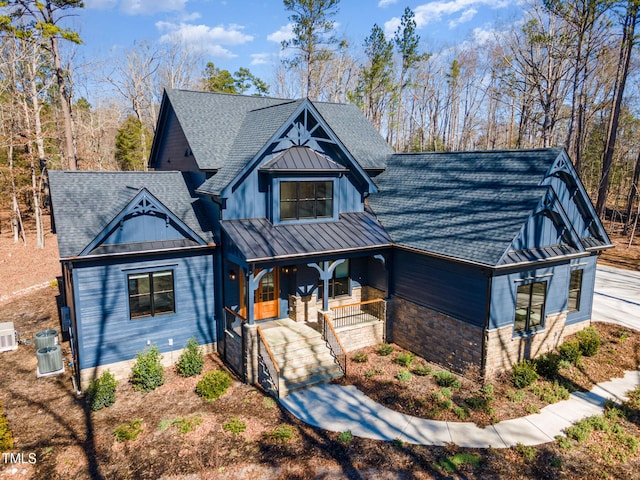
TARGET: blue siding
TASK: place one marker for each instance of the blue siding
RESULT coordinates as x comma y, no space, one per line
539,231
144,228
504,288
106,332
455,289
568,197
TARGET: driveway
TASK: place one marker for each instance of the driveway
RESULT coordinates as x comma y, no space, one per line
617,297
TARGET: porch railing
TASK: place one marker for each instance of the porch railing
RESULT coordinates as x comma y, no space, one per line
361,312
233,321
333,342
268,369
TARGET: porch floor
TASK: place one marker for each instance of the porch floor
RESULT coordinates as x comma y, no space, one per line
286,330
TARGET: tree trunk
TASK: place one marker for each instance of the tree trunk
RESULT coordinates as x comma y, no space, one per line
65,105
626,47
632,196
16,218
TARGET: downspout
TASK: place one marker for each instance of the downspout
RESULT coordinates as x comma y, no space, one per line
485,332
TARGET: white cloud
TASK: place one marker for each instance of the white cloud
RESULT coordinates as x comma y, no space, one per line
204,38
282,35
466,16
149,7
386,3
260,58
433,12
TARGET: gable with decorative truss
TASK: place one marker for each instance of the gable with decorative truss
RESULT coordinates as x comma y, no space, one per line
145,220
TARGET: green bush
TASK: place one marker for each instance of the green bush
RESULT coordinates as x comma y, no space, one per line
461,412
588,341
345,437
580,431
372,373
445,378
385,349
128,431
548,365
101,392
528,453
404,376
282,433
422,370
235,426
213,384
147,374
360,357
6,436
516,396
187,424
570,351
524,374
191,360
550,392
405,359
453,463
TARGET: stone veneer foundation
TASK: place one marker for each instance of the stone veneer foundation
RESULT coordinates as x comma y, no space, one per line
504,349
122,370
434,336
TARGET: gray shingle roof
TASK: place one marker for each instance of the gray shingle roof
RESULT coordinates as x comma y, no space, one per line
257,239
84,203
465,205
226,131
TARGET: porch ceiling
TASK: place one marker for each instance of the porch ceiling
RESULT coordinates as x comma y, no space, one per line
258,240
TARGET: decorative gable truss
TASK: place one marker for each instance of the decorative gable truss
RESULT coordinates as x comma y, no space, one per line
145,221
306,128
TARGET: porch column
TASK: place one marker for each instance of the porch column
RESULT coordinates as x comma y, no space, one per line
253,281
326,270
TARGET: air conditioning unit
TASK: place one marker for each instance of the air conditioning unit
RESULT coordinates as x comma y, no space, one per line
46,338
49,360
7,337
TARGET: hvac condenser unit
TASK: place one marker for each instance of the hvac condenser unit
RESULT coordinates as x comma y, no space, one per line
7,337
49,360
46,338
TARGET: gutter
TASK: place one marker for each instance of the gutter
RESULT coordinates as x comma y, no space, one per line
141,252
323,252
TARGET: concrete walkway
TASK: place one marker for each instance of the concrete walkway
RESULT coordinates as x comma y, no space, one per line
340,408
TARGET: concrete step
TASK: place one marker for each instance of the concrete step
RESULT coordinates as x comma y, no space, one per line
311,344
290,385
295,368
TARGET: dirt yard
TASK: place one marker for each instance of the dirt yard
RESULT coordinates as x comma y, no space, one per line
69,441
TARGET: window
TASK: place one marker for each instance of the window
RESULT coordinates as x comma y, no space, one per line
300,200
339,282
150,294
530,306
575,289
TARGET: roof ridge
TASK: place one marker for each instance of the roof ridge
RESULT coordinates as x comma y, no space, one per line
225,94
476,152
285,102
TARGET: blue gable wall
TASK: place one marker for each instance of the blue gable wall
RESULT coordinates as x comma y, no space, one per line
102,316
539,231
144,228
504,288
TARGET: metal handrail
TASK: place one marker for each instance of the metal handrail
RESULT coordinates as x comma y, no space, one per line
333,342
356,313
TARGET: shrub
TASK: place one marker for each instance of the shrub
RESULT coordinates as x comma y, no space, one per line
345,437
385,349
516,396
191,360
461,412
404,376
528,453
453,463
405,359
524,374
282,433
101,392
213,384
580,431
550,392
360,357
548,365
570,351
445,378
422,370
588,341
147,374
6,436
235,426
164,424
187,424
563,442
128,431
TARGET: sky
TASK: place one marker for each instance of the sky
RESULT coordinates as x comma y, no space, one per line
248,33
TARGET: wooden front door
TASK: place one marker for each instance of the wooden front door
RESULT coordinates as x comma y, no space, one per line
266,299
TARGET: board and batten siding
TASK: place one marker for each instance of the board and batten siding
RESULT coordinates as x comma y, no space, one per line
143,228
107,333
504,288
454,289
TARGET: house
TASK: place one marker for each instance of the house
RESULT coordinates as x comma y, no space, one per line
285,233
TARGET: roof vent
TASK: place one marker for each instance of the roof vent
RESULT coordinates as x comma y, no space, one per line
7,337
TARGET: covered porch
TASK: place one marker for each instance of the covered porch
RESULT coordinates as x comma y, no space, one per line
328,278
